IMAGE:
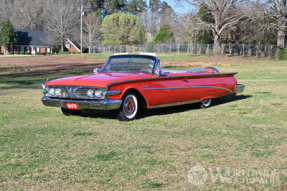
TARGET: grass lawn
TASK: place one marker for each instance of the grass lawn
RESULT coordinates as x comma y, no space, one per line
42,149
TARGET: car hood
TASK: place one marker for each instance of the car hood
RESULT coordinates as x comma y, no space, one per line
97,80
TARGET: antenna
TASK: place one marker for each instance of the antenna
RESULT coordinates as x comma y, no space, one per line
171,60
218,60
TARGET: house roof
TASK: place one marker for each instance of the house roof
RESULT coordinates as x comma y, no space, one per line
32,38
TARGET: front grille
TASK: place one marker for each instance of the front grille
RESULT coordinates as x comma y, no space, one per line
75,92
82,93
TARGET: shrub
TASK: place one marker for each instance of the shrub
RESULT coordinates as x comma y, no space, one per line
38,53
65,52
209,52
150,47
22,53
11,52
16,52
56,48
283,54
85,50
164,33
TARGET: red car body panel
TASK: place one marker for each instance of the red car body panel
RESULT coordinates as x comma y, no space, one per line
170,88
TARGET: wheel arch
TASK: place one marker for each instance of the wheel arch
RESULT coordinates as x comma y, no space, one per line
209,94
141,98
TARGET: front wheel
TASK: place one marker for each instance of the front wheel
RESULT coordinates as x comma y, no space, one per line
129,108
205,103
70,112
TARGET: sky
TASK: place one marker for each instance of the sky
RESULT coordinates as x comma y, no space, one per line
178,9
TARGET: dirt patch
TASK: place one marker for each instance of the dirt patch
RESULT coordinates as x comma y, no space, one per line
54,65
47,65
50,63
203,63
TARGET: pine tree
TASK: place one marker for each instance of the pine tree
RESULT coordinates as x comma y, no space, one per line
7,35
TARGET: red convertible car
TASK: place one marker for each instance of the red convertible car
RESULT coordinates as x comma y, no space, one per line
129,82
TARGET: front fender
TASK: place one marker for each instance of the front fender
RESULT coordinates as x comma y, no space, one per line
148,95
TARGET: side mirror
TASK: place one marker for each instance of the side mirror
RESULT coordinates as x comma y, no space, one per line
158,72
96,70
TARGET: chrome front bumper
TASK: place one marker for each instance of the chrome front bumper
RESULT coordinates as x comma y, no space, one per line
96,105
239,88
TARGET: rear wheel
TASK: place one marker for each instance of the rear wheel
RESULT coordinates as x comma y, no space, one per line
205,103
129,108
70,112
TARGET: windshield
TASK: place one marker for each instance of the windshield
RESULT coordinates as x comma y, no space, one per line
129,64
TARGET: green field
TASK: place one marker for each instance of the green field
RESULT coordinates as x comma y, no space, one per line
41,149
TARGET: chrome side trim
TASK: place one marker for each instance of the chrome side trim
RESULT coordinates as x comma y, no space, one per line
188,88
171,77
239,88
96,105
173,104
113,92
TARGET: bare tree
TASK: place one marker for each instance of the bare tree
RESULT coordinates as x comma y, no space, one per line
26,14
260,26
151,21
223,12
279,8
63,19
3,10
92,34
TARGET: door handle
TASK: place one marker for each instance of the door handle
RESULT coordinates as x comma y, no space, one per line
146,86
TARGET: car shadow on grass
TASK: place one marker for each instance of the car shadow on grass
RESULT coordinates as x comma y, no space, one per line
187,107
144,113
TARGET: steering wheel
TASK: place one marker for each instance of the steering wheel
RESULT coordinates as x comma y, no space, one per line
213,69
145,67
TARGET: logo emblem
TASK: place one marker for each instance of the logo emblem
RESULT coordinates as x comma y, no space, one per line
70,91
197,175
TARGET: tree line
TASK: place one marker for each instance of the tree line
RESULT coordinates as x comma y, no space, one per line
112,22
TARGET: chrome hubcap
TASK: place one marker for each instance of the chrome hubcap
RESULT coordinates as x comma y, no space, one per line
130,106
206,102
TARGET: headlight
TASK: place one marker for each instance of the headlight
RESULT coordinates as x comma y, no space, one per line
51,91
90,93
58,92
98,93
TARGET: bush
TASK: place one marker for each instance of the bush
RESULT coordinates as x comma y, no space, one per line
38,53
22,53
150,48
85,50
209,52
11,52
65,52
283,54
16,52
56,48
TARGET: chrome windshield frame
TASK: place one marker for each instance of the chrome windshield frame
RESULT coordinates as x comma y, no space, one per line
156,60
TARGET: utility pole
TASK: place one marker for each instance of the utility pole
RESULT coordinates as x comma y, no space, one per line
82,28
